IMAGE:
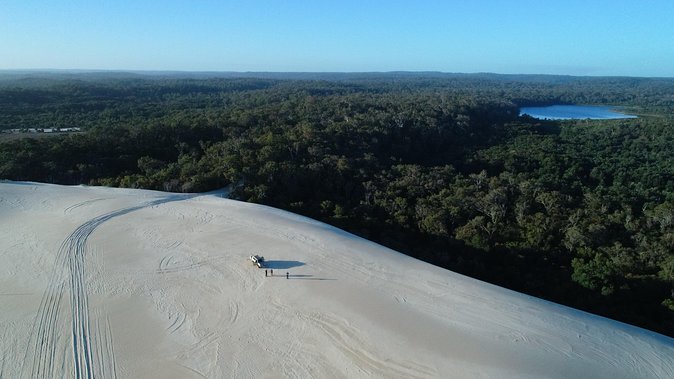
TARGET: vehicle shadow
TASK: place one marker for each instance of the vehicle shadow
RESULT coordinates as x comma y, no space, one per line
282,265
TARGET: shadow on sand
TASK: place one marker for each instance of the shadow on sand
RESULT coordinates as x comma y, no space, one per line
282,265
307,277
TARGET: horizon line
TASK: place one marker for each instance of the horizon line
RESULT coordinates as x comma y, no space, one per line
167,71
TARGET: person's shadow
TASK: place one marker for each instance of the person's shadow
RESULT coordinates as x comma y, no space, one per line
282,265
306,277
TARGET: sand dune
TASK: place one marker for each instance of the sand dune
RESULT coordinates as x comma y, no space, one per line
117,283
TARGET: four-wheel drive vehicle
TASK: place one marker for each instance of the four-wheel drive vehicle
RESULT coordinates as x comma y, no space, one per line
257,260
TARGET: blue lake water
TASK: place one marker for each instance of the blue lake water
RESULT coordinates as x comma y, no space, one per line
572,112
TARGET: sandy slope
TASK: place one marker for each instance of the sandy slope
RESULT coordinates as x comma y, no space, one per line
100,282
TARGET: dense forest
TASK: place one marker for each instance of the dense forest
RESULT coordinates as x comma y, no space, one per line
437,166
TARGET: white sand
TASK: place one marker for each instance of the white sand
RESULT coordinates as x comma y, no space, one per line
100,282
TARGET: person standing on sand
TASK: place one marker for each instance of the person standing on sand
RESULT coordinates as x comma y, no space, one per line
271,272
265,273
287,274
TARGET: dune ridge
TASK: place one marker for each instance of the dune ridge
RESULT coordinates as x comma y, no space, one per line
115,283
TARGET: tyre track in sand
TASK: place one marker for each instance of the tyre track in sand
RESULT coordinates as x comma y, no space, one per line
91,346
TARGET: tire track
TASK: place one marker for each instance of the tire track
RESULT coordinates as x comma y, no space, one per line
346,340
44,338
169,265
92,350
71,208
179,321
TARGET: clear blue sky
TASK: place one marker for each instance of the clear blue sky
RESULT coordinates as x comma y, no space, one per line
588,37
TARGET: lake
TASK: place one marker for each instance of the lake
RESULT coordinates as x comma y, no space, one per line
573,112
